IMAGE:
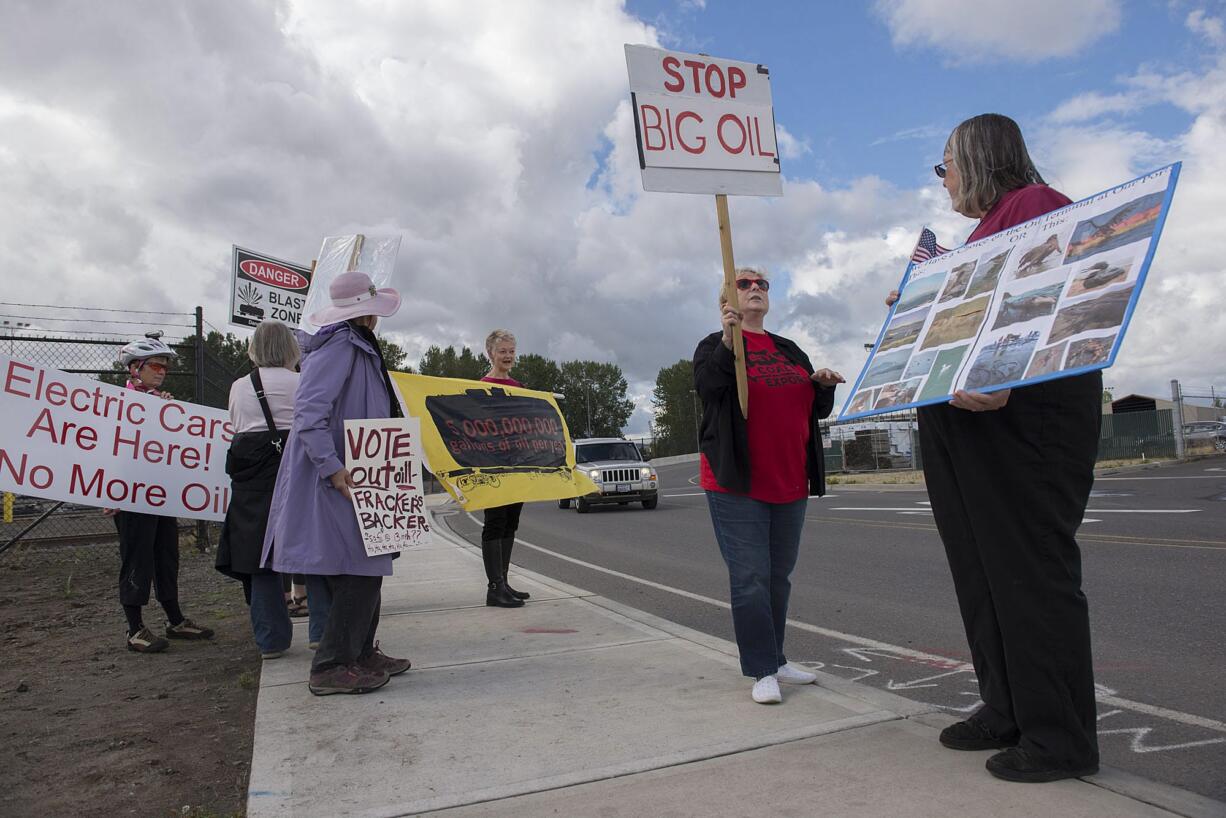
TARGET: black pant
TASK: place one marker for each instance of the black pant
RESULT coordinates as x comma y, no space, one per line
148,554
501,521
352,622
1009,489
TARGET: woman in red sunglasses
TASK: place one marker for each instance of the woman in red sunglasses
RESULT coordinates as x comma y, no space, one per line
759,473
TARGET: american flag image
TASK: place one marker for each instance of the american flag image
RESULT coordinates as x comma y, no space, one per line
927,247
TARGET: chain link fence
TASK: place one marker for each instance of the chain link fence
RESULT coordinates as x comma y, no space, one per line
197,375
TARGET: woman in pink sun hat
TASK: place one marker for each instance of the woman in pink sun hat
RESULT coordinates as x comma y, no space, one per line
312,528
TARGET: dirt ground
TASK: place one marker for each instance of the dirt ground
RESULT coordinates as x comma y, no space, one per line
91,728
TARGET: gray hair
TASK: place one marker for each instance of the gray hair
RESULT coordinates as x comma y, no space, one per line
494,338
760,272
991,157
274,345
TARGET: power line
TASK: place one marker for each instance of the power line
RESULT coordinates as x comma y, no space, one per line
92,309
95,320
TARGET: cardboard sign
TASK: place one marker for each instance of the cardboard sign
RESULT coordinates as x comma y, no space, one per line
265,287
384,460
1046,299
75,439
703,125
492,445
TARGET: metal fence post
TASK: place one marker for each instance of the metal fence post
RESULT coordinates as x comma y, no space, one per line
202,527
1177,399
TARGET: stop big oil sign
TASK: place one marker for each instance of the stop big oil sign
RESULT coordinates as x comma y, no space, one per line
703,125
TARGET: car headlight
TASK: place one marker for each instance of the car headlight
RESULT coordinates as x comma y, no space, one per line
594,474
644,474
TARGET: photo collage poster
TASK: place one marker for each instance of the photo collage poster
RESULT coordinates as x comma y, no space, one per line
1045,299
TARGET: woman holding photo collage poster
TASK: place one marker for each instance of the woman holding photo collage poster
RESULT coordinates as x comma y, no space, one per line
1009,475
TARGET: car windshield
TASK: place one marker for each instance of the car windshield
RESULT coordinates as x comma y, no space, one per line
593,452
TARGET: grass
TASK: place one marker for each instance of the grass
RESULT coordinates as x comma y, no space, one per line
248,680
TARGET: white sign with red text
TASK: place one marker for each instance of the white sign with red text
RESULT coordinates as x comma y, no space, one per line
79,440
384,459
703,125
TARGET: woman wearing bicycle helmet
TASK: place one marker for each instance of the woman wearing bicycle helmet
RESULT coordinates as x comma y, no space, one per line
149,543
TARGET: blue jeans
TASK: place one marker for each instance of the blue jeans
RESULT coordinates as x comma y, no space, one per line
759,542
269,616
319,605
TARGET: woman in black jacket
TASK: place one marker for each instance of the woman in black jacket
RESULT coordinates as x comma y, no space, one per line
759,473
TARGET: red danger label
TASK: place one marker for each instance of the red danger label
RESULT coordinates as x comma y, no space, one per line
274,274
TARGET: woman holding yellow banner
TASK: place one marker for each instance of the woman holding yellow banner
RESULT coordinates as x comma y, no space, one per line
501,522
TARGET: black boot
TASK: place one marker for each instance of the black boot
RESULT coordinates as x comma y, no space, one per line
497,595
507,544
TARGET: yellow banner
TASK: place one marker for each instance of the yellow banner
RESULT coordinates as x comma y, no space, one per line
493,445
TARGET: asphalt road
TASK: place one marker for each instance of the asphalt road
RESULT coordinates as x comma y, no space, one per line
872,599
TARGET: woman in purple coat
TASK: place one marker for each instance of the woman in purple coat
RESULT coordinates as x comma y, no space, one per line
312,527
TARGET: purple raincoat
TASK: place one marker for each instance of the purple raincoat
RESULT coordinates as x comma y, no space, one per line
313,526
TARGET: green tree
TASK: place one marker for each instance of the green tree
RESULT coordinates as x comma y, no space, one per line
447,363
595,404
676,409
394,356
537,372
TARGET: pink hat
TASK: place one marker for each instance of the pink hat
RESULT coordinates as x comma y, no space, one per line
354,295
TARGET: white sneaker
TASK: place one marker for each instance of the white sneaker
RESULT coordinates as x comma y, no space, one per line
766,691
789,674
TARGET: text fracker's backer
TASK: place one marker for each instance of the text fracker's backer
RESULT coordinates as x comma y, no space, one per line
705,125
263,287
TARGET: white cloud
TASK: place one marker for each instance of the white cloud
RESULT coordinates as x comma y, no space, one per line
790,147
975,30
1208,27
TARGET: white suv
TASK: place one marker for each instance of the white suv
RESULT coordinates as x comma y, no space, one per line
617,468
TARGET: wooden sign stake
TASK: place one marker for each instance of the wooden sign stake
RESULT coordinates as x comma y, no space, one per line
738,339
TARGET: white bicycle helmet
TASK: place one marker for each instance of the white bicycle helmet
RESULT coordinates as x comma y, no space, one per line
151,346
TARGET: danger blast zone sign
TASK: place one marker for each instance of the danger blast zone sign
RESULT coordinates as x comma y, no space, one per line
265,287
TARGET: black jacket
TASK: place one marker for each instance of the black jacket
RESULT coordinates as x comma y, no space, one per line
724,438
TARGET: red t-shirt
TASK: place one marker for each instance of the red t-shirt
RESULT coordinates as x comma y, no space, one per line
1019,205
503,381
780,403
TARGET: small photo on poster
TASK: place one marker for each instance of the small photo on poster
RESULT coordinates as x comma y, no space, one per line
956,323
1040,257
920,291
1027,306
1003,360
1046,360
944,369
1125,224
1105,271
862,402
920,365
988,276
1107,310
1089,351
903,330
886,368
959,278
896,393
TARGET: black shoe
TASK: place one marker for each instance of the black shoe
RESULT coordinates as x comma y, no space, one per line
519,594
500,596
1016,764
973,734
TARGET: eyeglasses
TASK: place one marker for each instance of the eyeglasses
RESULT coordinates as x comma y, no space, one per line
746,283
941,169
156,367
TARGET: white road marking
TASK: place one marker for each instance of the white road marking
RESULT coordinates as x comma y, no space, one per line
1115,701
909,510
1170,477
690,494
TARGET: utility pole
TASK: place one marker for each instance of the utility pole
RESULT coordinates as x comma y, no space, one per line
697,419
587,392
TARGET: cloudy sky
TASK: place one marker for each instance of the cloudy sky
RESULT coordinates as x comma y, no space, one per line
141,140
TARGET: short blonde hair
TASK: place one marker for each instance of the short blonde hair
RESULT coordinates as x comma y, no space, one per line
760,272
274,345
495,337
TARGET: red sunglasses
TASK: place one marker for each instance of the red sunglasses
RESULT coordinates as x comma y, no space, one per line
746,283
156,367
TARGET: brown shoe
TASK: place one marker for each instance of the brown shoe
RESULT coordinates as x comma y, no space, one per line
144,641
346,679
188,629
380,661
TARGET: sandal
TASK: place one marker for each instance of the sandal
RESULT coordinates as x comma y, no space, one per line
297,606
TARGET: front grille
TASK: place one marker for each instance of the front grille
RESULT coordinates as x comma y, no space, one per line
619,475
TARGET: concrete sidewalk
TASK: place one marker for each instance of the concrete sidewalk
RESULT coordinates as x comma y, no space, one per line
575,705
